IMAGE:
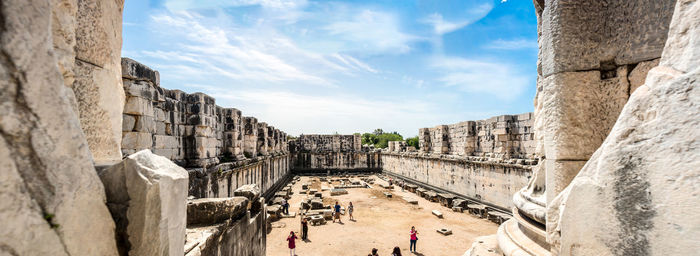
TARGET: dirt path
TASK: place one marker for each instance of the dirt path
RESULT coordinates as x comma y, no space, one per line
382,223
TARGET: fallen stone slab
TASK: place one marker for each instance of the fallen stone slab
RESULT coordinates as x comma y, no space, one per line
208,211
457,209
387,194
410,200
250,191
317,220
445,231
437,213
337,192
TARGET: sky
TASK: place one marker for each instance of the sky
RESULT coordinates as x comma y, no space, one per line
321,67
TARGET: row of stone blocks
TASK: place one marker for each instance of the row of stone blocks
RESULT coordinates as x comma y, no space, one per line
188,128
508,136
327,143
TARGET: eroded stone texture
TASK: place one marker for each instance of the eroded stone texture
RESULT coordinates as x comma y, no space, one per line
52,200
147,195
98,85
586,35
579,109
643,178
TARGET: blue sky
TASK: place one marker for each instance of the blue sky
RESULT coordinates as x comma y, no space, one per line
308,66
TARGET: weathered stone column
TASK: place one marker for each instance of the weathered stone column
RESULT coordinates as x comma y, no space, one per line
642,181
250,137
262,139
592,55
98,82
424,140
233,137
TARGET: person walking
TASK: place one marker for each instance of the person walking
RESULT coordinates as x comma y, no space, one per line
350,209
414,239
396,252
304,229
292,243
285,206
337,212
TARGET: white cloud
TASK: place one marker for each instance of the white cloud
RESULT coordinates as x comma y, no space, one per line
256,54
514,44
371,31
442,26
494,78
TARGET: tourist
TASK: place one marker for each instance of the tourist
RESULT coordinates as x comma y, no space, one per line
374,252
414,239
304,229
350,209
337,212
396,252
291,238
285,206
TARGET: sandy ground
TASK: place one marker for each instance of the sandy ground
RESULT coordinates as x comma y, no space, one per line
381,223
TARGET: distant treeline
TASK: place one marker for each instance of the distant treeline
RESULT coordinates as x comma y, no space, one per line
380,139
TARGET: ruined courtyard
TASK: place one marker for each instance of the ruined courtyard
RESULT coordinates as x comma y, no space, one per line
380,222
100,156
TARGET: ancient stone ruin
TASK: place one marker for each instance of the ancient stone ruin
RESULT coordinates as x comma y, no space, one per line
98,158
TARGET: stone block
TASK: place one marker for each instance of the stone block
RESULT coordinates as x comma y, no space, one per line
164,142
145,124
250,191
580,35
160,128
128,122
138,106
167,153
137,140
134,70
208,211
457,209
337,192
437,213
147,196
445,231
579,109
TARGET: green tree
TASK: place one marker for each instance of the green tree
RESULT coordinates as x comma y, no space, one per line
413,141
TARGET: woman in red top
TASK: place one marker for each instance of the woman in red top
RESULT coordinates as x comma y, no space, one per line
414,239
291,238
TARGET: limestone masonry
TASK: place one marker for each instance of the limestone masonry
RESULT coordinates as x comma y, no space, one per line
332,152
97,158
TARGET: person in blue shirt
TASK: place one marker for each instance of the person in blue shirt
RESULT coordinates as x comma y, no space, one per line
337,212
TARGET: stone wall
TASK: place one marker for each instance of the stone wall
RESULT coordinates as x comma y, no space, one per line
189,129
488,180
222,179
486,160
332,152
226,227
506,136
